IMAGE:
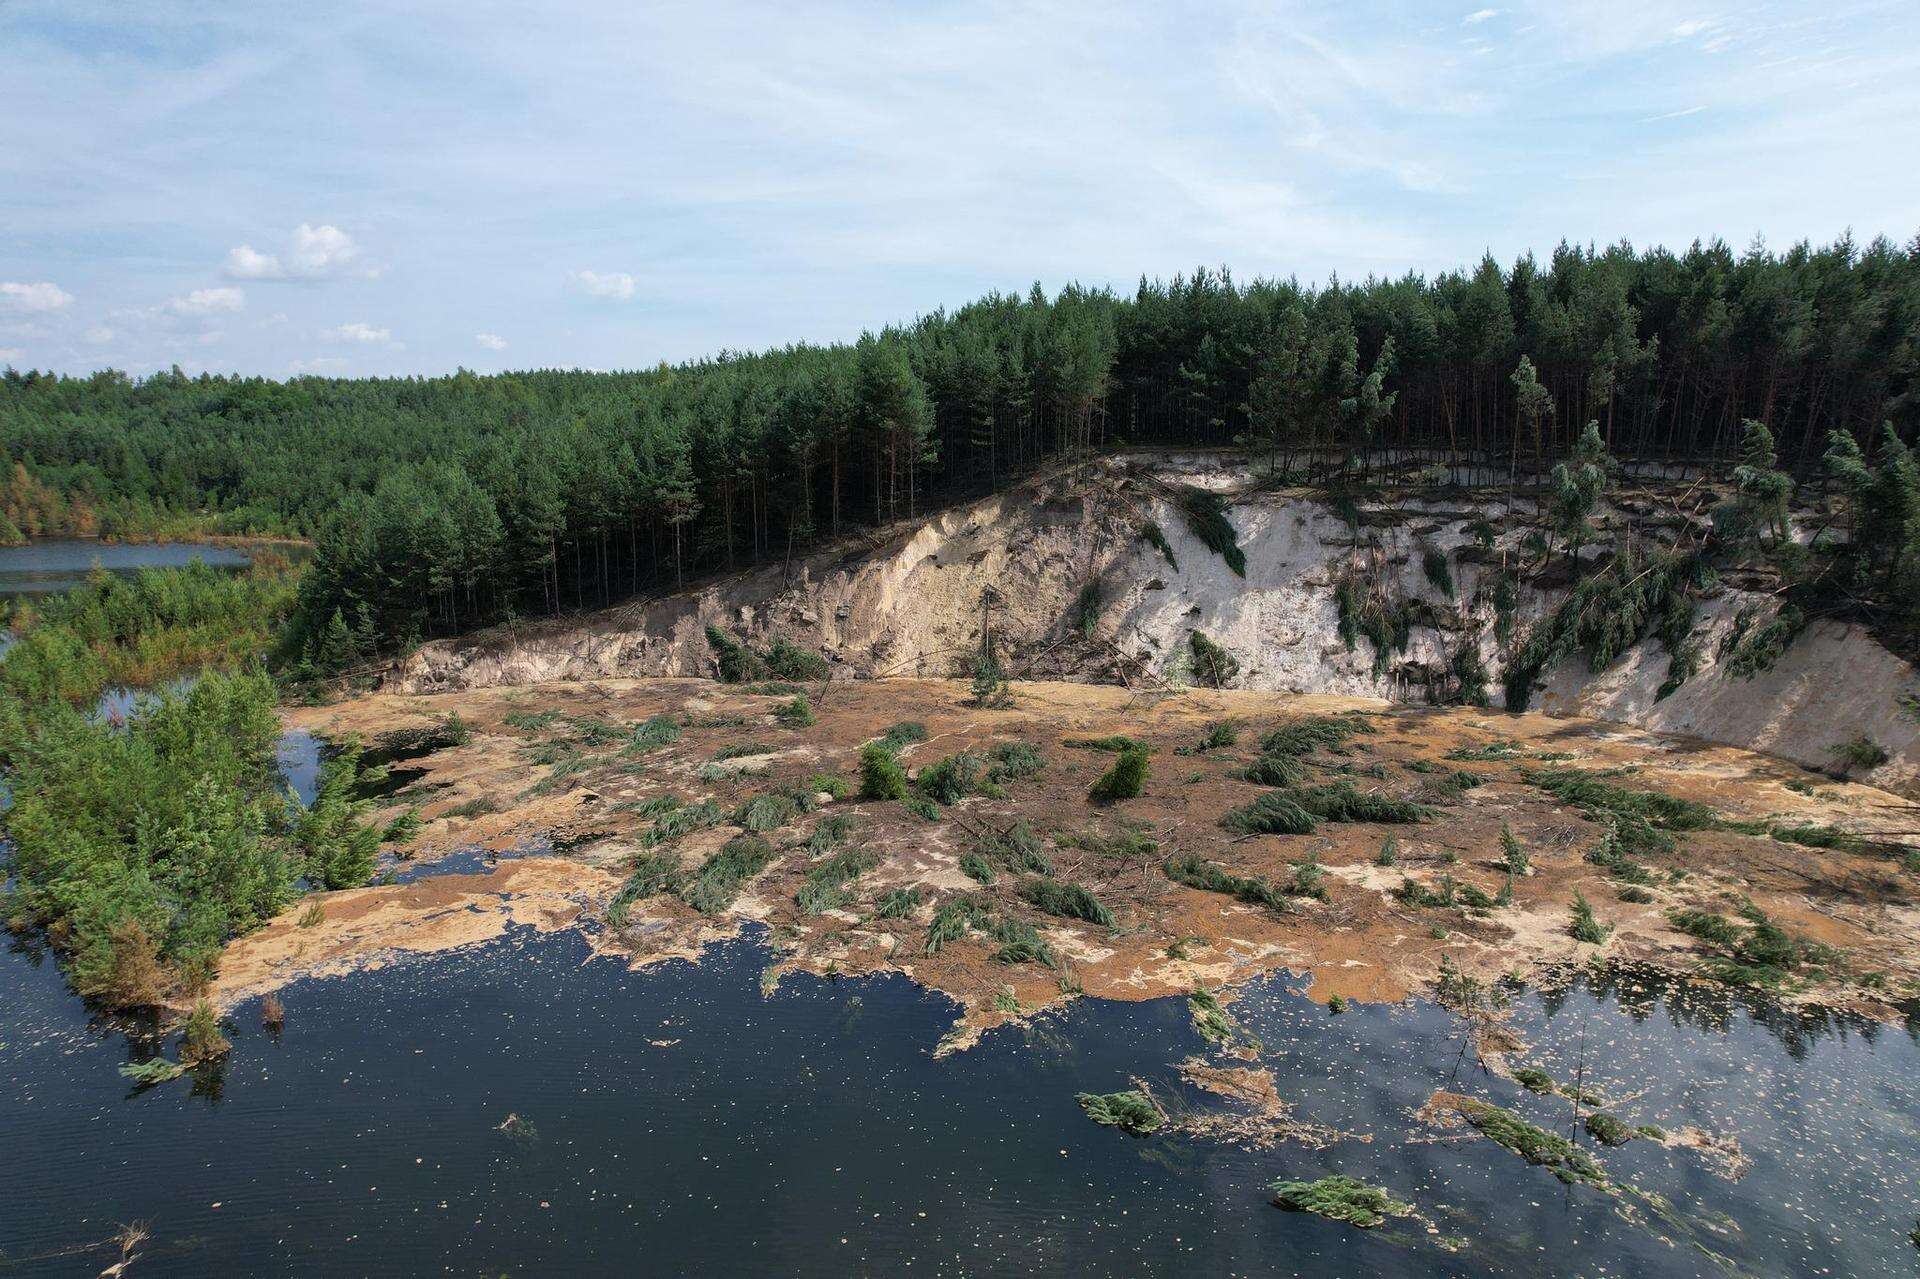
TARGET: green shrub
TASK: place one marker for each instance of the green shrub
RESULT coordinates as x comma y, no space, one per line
797,713
950,780
1858,754
1196,872
974,866
1219,735
1014,762
1433,561
661,730
1132,1111
1069,901
825,886
1115,743
1585,926
1156,537
1206,516
1123,780
904,734
1016,848
1213,666
1087,607
898,903
951,921
720,878
881,776
1339,1198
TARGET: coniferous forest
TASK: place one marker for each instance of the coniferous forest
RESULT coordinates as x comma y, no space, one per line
441,504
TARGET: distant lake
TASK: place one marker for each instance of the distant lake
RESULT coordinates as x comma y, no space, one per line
56,565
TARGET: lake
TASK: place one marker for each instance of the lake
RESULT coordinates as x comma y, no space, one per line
522,1108
56,565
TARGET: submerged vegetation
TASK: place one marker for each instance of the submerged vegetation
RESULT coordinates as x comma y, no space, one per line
1131,1111
1340,1198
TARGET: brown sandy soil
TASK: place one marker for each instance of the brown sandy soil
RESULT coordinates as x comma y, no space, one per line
1362,943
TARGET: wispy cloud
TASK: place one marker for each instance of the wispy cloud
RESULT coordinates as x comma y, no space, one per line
203,302
491,341
1480,15
611,286
357,331
41,296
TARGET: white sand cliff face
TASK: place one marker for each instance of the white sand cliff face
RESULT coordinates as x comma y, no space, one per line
910,603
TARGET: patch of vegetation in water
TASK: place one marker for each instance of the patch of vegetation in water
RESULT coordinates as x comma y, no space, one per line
1339,1198
1131,1111
1532,1143
1607,1130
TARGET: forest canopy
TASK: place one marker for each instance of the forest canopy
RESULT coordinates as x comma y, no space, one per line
440,504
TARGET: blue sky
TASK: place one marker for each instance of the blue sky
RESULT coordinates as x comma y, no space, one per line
397,187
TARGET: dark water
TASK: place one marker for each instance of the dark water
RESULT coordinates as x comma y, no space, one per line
49,567
676,1121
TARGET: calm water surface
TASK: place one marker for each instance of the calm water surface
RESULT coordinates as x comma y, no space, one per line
524,1109
49,567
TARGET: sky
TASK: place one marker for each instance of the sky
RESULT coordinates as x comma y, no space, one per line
394,188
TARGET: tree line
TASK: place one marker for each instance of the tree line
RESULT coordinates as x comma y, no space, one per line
440,504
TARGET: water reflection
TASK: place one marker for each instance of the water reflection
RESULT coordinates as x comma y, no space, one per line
523,1108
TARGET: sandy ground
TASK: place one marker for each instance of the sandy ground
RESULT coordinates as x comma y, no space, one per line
1362,943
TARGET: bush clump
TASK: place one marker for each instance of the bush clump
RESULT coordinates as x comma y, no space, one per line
881,776
1339,1198
1069,901
1211,877
1131,1111
1206,515
1123,780
1213,666
721,877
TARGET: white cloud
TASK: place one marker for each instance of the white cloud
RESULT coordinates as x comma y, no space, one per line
1480,15
321,250
358,332
311,253
1691,27
318,364
492,341
209,302
99,334
614,286
11,355
244,264
41,296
